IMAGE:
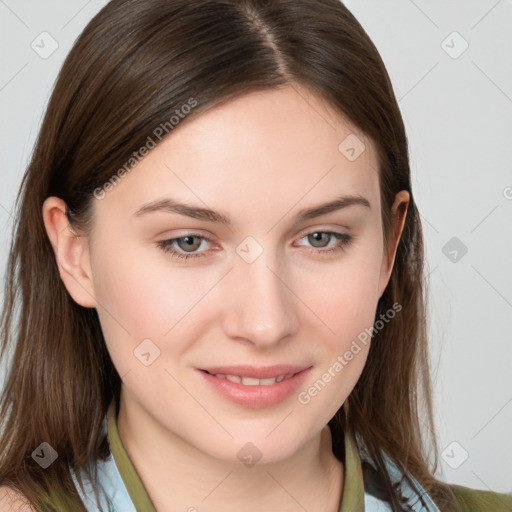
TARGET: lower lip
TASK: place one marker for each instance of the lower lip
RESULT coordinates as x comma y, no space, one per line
256,397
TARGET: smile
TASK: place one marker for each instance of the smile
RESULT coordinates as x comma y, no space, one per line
251,381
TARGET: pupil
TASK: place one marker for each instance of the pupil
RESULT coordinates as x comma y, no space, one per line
318,236
189,241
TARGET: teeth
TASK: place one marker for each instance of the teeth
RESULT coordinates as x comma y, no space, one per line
250,381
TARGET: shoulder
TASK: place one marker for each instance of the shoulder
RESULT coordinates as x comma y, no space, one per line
13,501
469,500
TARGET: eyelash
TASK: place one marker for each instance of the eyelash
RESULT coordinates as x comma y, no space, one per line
343,242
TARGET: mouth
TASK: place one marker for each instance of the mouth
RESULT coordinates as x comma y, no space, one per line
253,387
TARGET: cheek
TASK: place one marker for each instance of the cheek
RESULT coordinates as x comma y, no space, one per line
130,301
140,297
346,305
343,294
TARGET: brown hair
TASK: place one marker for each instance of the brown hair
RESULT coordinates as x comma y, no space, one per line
131,68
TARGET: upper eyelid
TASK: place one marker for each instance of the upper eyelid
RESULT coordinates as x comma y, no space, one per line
307,231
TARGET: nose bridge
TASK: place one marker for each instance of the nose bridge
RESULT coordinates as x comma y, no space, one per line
261,306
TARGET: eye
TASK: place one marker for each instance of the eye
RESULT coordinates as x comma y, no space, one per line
185,247
190,242
318,239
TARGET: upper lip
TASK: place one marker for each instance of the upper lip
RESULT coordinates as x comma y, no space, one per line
262,372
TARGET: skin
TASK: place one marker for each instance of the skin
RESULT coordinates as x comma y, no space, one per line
260,159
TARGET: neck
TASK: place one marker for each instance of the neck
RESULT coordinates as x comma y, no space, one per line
178,476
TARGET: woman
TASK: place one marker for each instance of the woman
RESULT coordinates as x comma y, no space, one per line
219,264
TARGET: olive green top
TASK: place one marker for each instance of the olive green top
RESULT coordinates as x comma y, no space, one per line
130,477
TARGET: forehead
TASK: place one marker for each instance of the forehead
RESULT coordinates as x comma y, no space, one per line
265,150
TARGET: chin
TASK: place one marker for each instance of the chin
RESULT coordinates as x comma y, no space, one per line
255,449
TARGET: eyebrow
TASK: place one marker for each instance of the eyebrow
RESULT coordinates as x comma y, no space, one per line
170,205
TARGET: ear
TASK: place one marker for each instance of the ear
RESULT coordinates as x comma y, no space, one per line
71,253
399,213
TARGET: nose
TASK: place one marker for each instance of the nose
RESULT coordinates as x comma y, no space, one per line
261,309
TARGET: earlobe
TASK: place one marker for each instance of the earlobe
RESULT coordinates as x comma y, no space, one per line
399,214
71,253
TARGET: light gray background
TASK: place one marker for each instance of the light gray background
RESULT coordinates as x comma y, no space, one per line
458,113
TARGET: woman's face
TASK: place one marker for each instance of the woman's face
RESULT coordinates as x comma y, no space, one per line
272,287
